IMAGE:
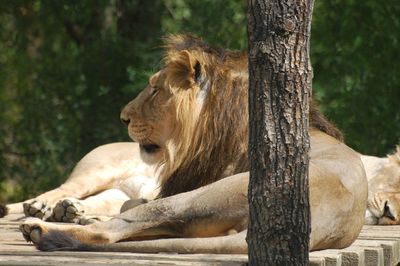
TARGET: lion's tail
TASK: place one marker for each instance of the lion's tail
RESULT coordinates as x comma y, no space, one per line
3,210
14,208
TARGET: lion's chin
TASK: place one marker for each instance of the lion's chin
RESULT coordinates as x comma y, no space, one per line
149,148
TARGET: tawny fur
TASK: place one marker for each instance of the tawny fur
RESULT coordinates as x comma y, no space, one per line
194,111
383,188
221,132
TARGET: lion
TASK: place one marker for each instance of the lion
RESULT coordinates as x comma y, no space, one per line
100,184
383,176
195,110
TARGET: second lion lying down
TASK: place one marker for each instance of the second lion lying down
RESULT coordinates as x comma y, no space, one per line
194,110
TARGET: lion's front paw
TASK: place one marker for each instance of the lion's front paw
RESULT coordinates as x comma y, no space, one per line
68,211
38,209
32,230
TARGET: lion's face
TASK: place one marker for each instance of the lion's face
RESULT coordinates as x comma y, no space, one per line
194,110
384,209
149,116
165,109
384,200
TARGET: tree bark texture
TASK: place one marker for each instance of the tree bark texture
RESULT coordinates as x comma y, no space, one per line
280,78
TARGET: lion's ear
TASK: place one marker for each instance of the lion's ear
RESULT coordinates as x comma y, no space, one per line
197,72
186,70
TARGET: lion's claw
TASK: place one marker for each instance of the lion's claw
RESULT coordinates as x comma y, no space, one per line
25,234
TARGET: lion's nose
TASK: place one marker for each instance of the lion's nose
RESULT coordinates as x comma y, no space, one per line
125,121
125,117
126,113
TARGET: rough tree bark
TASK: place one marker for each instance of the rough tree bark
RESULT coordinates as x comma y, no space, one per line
280,77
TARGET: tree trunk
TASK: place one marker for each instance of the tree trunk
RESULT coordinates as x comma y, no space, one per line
280,77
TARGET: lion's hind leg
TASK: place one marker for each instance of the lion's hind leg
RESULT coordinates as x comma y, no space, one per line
230,244
33,230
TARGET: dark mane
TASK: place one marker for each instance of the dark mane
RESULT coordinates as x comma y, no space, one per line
218,147
319,121
191,42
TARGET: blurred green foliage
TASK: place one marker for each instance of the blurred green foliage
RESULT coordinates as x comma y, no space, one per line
356,60
68,67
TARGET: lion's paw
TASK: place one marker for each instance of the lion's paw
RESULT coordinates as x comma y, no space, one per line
38,209
32,230
68,211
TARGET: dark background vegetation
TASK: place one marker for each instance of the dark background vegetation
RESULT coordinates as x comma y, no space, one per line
68,67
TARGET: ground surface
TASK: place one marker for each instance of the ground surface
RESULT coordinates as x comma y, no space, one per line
376,245
14,250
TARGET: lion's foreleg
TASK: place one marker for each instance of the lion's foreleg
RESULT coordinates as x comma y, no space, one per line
49,197
78,188
106,203
94,208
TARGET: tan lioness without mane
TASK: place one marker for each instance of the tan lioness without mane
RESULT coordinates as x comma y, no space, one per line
383,175
195,110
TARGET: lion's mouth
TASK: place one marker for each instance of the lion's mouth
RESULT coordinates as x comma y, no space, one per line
150,148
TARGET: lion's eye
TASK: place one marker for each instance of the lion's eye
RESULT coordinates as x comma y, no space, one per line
387,213
153,91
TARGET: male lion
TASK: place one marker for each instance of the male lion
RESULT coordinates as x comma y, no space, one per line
195,110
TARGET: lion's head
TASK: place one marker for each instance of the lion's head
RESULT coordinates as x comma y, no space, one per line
384,192
195,110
